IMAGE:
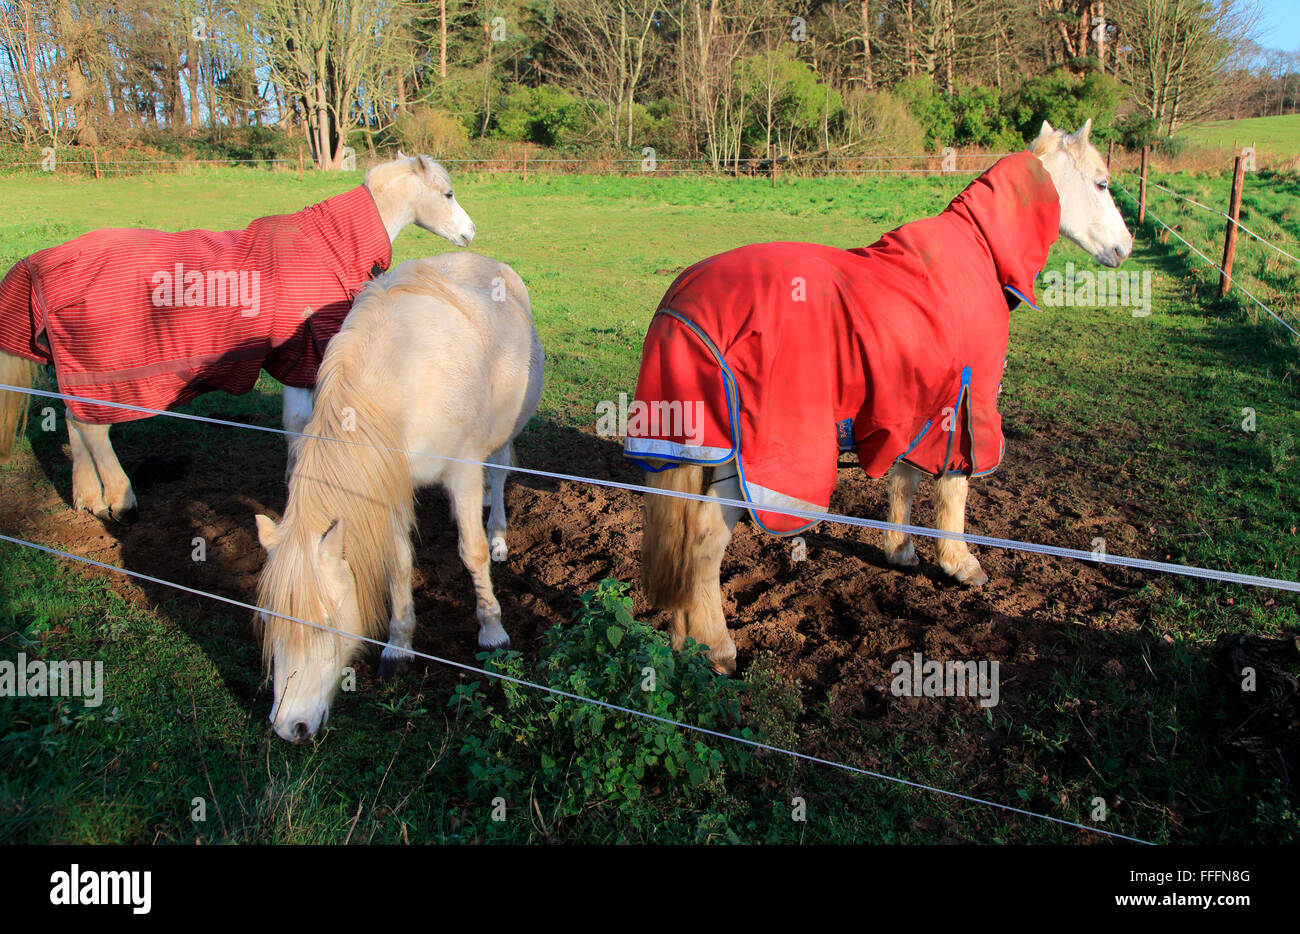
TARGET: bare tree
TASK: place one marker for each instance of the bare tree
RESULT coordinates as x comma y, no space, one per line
329,55
1174,54
603,47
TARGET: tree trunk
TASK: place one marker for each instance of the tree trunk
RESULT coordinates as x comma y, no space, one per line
442,38
868,73
194,82
1101,36
909,41
949,44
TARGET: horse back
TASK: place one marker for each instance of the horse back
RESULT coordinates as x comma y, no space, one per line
459,350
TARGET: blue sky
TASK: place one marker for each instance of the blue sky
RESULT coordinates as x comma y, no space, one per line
1279,24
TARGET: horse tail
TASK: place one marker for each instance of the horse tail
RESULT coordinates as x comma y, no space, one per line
675,528
14,371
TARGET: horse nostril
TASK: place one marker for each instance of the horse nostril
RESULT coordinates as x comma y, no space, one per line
300,732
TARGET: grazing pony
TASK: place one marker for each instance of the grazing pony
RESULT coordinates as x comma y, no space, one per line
785,354
437,357
153,319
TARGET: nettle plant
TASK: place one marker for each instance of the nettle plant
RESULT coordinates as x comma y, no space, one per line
581,754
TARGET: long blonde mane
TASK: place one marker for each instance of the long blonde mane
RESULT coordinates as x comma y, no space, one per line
362,479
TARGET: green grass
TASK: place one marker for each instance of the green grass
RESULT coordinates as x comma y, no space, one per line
1159,400
1279,134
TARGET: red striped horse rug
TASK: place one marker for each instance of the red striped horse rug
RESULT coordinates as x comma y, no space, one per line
779,356
148,318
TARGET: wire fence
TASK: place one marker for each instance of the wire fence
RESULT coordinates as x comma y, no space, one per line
1228,217
948,162
1251,295
809,515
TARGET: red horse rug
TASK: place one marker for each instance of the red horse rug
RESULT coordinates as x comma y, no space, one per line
785,354
153,319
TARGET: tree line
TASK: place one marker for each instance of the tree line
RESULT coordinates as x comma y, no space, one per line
719,80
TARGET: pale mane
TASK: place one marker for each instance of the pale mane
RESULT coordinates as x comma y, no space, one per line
361,479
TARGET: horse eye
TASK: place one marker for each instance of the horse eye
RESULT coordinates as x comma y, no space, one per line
449,195
1103,184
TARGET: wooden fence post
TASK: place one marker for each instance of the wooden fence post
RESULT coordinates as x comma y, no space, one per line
771,151
1230,235
300,162
1110,152
525,165
1142,189
96,157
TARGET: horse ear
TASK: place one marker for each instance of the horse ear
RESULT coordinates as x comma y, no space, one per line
1045,129
331,543
1082,135
268,533
423,166
402,155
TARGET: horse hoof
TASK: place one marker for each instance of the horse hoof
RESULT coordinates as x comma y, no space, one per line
904,558
491,641
99,509
499,550
394,666
491,634
725,666
127,516
971,574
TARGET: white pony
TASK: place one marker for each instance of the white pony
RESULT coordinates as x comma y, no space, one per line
684,540
1090,220
406,190
437,357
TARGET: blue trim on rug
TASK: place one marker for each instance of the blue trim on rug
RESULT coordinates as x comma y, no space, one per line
1020,295
962,391
733,410
917,440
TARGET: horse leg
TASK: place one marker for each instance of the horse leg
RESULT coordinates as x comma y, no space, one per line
900,548
397,657
496,526
464,483
98,481
297,412
681,557
704,619
87,492
118,495
950,516
20,373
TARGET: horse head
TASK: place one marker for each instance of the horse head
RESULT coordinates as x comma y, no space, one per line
311,581
417,190
1089,217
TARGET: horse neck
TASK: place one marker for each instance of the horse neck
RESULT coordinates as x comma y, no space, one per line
1056,168
393,203
363,479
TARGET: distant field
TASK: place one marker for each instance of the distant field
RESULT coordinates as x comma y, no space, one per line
1279,135
1120,427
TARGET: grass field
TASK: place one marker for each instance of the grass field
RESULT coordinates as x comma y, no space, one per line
1146,410
1279,135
